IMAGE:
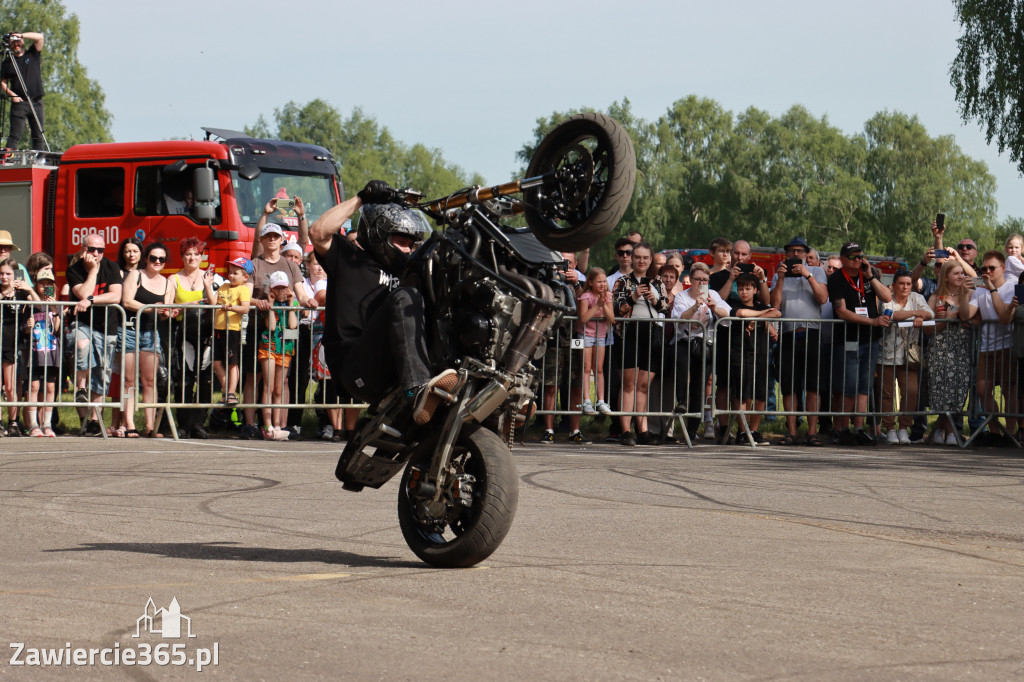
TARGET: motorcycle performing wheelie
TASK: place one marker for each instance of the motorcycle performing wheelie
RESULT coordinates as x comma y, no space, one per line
492,296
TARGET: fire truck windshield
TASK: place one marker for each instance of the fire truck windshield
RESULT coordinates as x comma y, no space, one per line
316,191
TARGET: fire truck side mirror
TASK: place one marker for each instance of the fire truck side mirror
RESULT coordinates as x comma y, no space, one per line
203,187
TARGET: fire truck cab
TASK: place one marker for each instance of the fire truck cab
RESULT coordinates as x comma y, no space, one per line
161,191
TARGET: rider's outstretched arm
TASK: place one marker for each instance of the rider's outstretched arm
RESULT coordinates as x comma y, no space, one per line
327,225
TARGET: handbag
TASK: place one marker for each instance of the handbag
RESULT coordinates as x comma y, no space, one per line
912,350
914,354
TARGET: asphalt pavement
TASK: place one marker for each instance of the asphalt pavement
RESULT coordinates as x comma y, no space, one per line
647,563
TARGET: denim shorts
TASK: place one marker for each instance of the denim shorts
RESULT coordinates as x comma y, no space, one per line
855,369
591,341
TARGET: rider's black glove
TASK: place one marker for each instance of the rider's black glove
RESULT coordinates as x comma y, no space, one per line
377,192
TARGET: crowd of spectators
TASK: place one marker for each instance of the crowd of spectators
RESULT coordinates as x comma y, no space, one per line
848,344
826,335
191,337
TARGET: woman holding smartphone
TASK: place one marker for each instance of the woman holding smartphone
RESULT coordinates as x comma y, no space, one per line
639,298
949,354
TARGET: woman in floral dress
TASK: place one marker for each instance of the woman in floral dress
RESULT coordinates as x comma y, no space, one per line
949,354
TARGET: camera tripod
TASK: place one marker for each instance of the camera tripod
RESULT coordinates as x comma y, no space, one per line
5,54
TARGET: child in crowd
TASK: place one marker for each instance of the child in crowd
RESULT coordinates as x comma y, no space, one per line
233,298
748,352
13,287
43,329
275,354
596,312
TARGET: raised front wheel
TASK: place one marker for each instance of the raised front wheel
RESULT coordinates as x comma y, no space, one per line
590,169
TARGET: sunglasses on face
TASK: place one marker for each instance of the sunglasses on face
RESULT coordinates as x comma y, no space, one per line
624,252
158,259
95,249
856,256
966,246
987,268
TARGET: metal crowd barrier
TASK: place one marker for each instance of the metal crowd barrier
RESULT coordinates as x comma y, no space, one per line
687,379
749,363
44,343
190,349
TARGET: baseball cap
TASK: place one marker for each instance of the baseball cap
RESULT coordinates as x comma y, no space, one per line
850,247
243,263
279,279
271,228
45,274
798,241
291,246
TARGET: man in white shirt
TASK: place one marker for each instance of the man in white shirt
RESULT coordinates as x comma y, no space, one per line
990,308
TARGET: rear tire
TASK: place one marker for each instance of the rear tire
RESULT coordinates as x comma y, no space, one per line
593,216
477,530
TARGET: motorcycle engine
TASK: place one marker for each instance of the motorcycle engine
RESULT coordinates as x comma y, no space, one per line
487,319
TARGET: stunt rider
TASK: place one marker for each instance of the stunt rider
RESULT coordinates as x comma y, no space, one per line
373,332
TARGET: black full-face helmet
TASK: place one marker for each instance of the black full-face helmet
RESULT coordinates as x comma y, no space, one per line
379,223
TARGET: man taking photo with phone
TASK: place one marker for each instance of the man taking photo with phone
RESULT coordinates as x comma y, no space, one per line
991,308
798,291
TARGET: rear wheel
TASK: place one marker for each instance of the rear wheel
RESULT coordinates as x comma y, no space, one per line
474,513
590,167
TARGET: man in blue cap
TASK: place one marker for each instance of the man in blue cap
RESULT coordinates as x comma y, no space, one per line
798,291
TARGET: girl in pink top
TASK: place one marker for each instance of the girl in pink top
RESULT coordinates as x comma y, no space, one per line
595,308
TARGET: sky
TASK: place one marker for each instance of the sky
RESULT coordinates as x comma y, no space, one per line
472,78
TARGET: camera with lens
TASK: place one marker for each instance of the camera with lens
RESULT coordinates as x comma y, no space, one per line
5,39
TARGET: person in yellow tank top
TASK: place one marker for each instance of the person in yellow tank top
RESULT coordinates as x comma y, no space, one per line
193,338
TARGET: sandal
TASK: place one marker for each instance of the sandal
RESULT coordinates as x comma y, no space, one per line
35,432
48,432
153,433
232,399
790,439
115,433
131,433
815,441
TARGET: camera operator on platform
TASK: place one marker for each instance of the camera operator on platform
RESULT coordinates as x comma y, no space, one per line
29,63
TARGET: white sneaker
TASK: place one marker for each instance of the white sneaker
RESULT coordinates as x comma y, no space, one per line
951,439
709,430
903,437
891,438
603,407
588,407
280,434
939,437
328,433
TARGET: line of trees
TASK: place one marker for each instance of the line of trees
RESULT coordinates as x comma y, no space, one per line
704,172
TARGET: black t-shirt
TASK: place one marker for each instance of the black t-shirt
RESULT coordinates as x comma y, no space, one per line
356,286
717,280
743,345
13,315
29,63
108,275
856,292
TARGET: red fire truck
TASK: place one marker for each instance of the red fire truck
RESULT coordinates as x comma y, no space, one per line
769,258
213,189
